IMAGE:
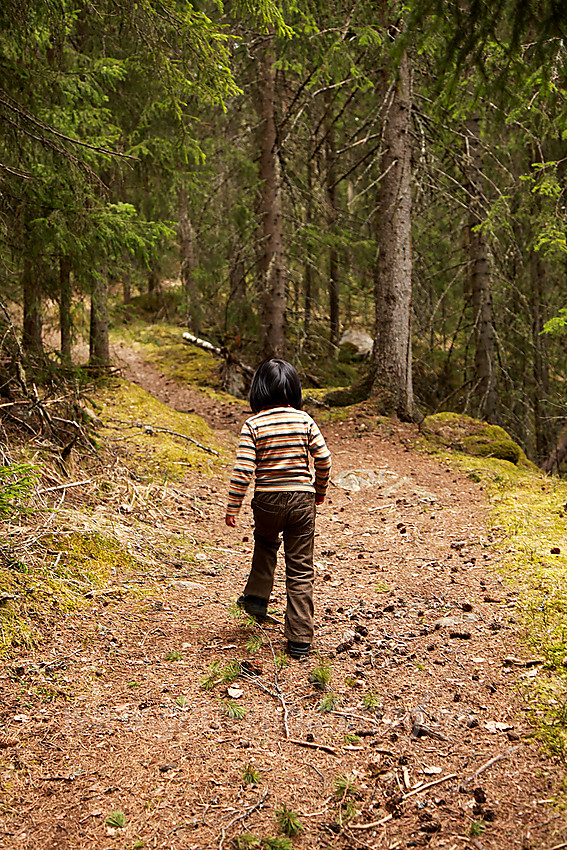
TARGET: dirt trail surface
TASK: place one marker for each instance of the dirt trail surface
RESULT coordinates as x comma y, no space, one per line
418,740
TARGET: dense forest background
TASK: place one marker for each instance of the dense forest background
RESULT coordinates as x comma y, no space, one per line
270,175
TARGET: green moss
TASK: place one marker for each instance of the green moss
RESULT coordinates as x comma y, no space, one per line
130,416
59,574
462,433
163,346
529,535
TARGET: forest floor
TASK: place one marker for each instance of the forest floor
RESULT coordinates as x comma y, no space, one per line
111,739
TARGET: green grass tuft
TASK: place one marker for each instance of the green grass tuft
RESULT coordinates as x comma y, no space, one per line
288,822
234,710
320,676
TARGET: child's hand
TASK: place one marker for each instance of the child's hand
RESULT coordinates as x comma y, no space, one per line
230,521
319,498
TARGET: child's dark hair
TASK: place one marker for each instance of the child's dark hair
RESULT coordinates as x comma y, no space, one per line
275,384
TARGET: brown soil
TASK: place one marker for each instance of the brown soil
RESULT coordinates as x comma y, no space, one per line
136,733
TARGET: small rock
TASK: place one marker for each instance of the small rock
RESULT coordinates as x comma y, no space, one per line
163,768
432,771
472,723
555,550
460,635
497,726
512,735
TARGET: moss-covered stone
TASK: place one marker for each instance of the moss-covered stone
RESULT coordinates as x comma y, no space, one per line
462,433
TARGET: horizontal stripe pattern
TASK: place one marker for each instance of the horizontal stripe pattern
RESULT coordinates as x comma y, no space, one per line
277,444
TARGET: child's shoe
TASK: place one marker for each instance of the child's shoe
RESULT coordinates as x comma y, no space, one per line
298,651
253,605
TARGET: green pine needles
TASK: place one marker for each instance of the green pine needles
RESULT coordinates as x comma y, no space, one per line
17,481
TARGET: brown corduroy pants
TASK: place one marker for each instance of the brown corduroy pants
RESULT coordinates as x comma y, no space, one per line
293,516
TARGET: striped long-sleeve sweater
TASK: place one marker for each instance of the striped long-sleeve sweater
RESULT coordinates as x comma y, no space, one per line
277,444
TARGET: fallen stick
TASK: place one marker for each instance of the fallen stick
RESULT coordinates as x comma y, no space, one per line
65,486
276,694
492,761
245,813
312,745
409,794
428,785
222,352
151,428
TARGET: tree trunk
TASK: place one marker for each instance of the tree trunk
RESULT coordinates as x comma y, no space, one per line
331,192
271,271
390,374
556,457
126,287
153,280
308,269
540,365
32,342
99,352
485,373
65,308
191,307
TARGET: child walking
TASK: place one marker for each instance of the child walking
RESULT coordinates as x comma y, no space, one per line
276,443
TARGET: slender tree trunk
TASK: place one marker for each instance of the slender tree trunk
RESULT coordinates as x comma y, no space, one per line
271,268
153,280
308,269
191,307
331,192
99,351
32,342
390,374
65,308
485,372
126,287
540,365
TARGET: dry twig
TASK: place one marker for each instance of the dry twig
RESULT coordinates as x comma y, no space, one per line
241,816
409,794
312,745
492,761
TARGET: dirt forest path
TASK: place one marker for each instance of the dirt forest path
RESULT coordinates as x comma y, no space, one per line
419,739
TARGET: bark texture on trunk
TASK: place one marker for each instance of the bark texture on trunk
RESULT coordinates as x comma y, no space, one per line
484,360
331,192
126,287
390,371
191,306
540,362
272,283
65,308
32,341
99,351
556,457
308,270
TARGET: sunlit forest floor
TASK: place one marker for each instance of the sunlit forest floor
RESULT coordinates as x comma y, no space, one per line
149,713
